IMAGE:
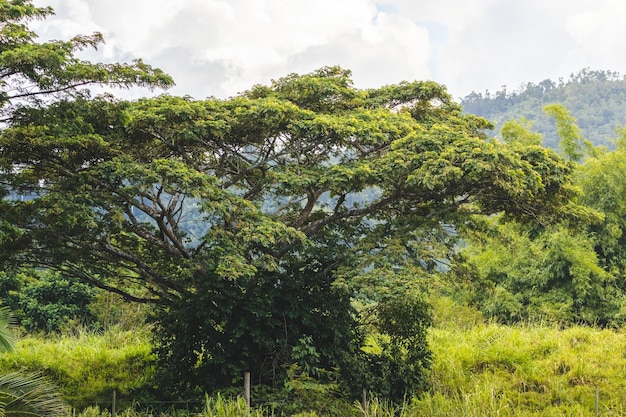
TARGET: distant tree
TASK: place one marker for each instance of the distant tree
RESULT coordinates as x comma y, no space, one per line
518,131
572,143
595,98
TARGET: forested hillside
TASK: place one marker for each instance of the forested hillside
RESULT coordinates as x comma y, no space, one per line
596,99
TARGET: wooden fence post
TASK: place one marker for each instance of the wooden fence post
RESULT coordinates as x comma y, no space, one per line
113,405
365,402
246,388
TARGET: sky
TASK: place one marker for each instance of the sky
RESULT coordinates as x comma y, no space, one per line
220,48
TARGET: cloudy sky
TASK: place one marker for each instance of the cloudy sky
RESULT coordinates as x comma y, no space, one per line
222,47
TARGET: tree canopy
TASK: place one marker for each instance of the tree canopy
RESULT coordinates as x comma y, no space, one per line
281,231
266,172
258,215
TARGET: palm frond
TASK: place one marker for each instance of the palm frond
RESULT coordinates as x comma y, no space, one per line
29,395
7,340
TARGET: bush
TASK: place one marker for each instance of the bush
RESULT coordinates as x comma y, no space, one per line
46,300
206,342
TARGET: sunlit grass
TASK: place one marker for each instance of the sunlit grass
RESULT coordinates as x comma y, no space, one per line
87,366
479,369
492,369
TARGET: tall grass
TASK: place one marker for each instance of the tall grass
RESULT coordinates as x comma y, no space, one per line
218,407
214,407
86,366
494,370
479,369
487,370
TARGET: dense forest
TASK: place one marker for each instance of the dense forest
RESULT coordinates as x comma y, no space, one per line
595,98
354,252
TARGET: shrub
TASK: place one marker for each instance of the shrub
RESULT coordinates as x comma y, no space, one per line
46,300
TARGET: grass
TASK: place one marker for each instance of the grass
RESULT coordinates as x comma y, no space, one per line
87,367
493,370
525,370
479,369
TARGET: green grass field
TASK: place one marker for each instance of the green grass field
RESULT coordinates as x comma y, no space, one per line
494,370
478,370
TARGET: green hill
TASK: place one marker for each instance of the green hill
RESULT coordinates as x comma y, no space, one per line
597,99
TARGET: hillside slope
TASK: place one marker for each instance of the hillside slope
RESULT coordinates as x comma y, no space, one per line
597,99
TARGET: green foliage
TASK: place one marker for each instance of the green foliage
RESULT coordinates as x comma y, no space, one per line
21,394
603,184
32,71
399,357
291,182
219,407
237,219
277,321
308,396
113,312
572,144
491,369
564,274
24,395
552,276
46,301
523,371
519,131
7,338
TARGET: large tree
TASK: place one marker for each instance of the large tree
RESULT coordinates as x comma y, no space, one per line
254,221
33,74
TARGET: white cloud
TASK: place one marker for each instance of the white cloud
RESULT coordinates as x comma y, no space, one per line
215,47
221,47
599,32
72,18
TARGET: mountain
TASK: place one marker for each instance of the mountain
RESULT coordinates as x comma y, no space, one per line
597,99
